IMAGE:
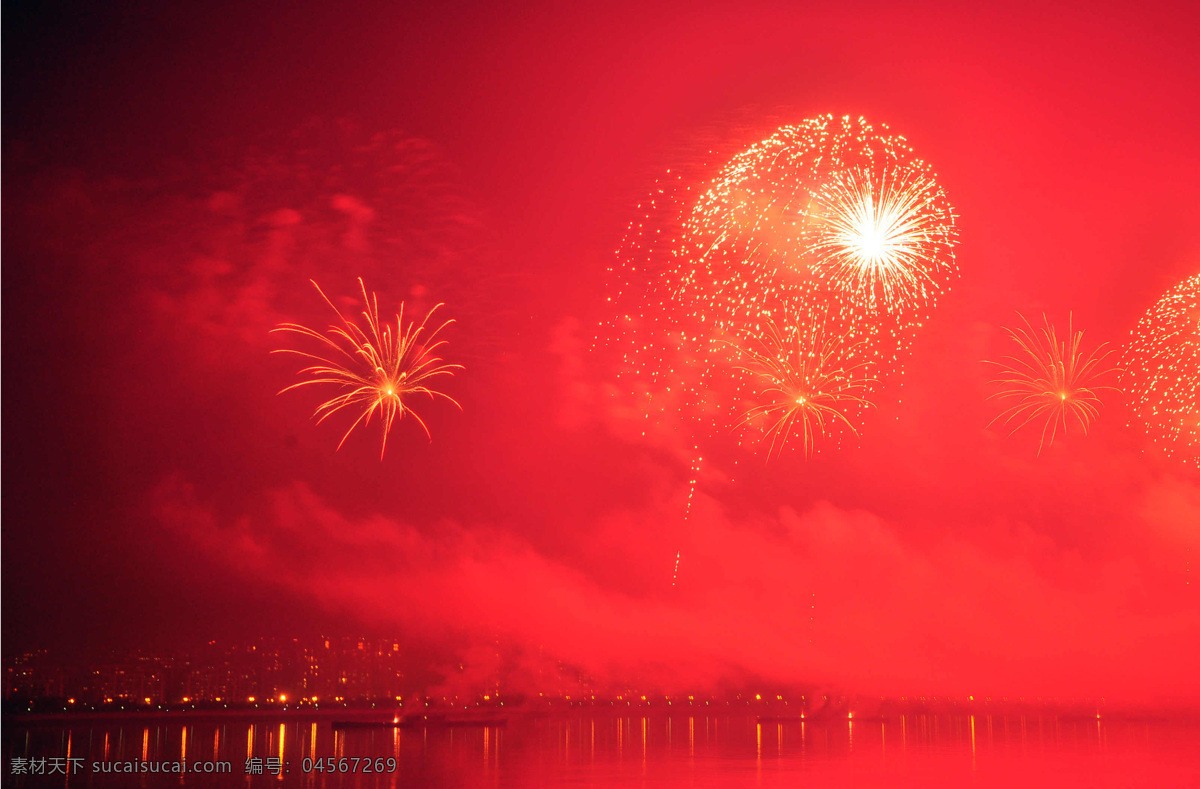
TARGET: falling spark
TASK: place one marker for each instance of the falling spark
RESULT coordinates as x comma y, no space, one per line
377,369
1162,372
808,380
694,475
1050,381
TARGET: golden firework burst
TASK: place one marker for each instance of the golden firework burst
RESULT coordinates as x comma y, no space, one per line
1050,381
377,370
807,381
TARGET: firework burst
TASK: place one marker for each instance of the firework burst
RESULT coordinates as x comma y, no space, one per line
1049,381
809,382
377,370
831,215
830,222
883,240
1162,371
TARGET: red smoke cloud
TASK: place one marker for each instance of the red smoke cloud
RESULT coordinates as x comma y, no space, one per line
824,595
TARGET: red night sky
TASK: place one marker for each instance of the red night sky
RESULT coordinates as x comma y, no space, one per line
174,176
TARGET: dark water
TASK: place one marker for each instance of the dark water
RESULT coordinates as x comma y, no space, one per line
593,750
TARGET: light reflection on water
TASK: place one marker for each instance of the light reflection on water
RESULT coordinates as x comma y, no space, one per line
602,750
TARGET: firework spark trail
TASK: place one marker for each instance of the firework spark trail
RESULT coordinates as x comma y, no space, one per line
808,380
1162,372
376,369
693,477
1050,380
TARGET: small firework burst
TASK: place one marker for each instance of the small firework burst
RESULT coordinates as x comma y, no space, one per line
1162,371
1050,381
809,382
377,370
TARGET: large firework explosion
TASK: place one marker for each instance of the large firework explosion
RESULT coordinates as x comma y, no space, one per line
829,228
830,214
1162,371
830,223
375,370
1050,382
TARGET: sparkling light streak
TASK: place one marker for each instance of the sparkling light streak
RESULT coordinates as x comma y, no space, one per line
1050,381
376,370
1162,372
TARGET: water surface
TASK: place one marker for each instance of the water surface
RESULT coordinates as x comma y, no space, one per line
598,750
